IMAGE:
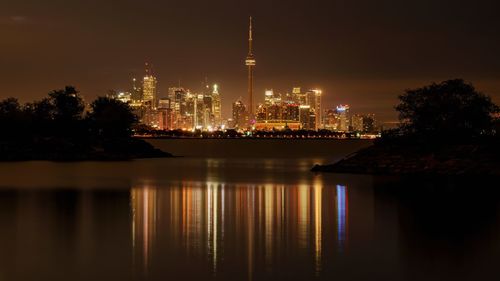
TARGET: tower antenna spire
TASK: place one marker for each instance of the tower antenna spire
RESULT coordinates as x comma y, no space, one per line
148,67
250,63
250,37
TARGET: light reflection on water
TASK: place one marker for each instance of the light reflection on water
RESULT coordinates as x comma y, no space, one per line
265,221
342,211
267,218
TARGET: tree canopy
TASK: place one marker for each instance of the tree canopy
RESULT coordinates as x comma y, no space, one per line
58,128
448,109
62,114
111,118
68,105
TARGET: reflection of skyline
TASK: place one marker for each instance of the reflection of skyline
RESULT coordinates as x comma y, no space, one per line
342,216
210,222
213,221
144,219
318,198
87,234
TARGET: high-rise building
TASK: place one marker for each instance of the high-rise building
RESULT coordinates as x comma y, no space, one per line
149,88
164,114
298,97
261,114
343,115
164,103
312,121
313,99
240,115
178,104
199,111
250,63
330,119
357,123
304,117
369,123
274,112
124,97
216,106
150,118
136,91
188,109
208,119
288,98
363,123
291,112
268,97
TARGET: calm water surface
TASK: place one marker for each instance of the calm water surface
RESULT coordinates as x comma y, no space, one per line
241,210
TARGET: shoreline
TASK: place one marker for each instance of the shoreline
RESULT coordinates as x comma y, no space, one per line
61,150
413,160
252,138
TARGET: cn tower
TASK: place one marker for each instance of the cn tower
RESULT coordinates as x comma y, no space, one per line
250,63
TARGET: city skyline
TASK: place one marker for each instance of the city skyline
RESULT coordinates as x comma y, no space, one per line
181,108
354,55
249,140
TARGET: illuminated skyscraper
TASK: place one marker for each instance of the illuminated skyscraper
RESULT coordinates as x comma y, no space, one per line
313,99
250,63
216,106
305,117
272,98
136,91
268,97
199,111
369,123
149,88
344,117
164,114
298,97
240,116
207,116
357,123
178,104
291,112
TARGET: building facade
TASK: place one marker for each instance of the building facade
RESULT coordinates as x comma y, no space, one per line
149,84
240,115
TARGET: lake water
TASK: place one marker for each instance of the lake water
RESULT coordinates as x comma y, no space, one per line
241,210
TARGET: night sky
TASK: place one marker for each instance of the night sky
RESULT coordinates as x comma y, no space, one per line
363,53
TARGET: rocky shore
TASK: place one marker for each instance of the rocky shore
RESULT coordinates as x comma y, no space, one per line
60,149
405,159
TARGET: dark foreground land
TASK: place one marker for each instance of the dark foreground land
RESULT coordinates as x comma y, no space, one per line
406,159
58,128
445,129
55,149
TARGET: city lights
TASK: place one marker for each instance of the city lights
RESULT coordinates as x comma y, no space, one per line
183,109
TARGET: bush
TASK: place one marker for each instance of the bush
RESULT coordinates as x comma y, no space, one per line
448,110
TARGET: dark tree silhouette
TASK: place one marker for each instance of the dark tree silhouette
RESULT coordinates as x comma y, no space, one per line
68,105
43,110
12,119
9,107
450,109
111,118
10,110
68,108
54,129
41,117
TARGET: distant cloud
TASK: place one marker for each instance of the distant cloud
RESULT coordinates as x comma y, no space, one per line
14,20
19,19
